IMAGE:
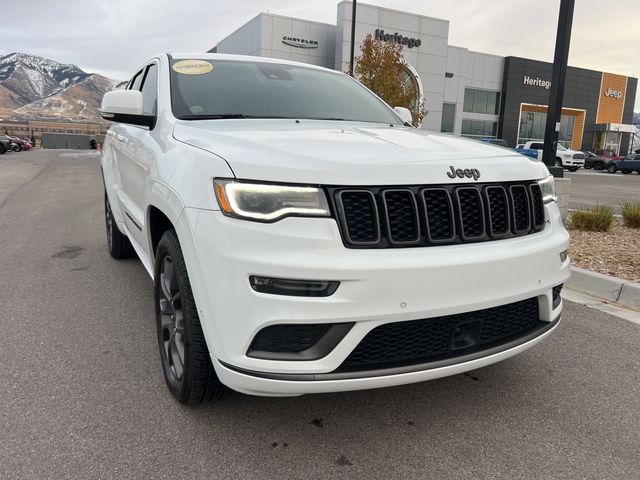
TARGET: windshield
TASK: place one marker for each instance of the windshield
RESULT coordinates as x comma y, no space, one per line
205,89
561,148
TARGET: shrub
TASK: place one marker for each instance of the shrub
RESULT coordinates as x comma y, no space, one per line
631,214
594,219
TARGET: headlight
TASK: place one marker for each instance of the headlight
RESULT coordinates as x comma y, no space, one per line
548,187
268,203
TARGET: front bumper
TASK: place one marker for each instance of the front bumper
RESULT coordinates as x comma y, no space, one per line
377,287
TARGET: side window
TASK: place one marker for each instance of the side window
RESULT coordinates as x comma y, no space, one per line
537,146
135,82
150,90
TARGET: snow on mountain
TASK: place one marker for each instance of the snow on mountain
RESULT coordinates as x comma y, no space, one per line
36,87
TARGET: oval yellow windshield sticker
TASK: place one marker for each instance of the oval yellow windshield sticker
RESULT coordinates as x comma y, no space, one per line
192,67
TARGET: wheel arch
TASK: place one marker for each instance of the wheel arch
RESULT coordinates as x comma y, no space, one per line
158,223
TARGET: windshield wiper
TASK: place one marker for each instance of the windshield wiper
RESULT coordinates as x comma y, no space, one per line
222,116
213,117
335,119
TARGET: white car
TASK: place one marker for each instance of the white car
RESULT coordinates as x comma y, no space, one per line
303,238
572,160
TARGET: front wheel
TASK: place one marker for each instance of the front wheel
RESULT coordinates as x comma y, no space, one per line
186,364
558,162
573,169
2,149
612,168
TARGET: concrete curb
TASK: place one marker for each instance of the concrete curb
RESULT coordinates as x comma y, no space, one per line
609,288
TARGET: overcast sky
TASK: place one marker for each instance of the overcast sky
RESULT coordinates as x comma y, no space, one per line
113,37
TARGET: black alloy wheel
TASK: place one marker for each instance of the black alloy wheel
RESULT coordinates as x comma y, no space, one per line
186,363
171,334
611,168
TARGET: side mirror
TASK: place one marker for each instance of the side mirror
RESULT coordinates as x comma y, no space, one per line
405,115
125,106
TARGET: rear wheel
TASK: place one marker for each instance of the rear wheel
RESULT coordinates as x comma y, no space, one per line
186,364
611,168
118,244
2,149
598,166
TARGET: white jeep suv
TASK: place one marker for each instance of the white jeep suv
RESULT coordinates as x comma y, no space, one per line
304,238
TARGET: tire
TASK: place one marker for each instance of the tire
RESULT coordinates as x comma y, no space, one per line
587,166
598,166
2,149
626,172
558,162
190,377
118,244
612,168
573,169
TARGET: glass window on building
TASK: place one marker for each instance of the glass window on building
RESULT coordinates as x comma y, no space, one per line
481,101
448,117
532,125
479,128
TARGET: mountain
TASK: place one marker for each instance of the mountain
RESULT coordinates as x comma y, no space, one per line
33,87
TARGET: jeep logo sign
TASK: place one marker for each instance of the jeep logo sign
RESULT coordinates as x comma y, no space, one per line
467,172
617,94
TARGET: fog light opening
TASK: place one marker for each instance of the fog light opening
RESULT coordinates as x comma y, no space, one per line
291,287
556,295
563,256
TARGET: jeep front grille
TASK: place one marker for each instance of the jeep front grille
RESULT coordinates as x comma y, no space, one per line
384,217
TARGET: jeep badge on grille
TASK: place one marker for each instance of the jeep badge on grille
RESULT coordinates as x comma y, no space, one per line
467,172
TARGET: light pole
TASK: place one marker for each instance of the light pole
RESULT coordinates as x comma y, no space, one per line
556,96
353,37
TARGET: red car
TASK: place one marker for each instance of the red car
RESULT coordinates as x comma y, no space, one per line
607,153
19,144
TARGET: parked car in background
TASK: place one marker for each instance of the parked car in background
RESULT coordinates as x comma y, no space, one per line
569,159
5,144
18,144
628,164
495,141
597,162
608,153
528,152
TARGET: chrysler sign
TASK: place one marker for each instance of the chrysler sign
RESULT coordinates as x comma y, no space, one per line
299,42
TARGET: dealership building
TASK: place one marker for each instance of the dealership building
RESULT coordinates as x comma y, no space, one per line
465,92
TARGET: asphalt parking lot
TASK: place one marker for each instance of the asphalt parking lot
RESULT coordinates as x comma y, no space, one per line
83,396
590,187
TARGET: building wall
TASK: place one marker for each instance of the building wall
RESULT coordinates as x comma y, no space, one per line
246,40
471,70
429,59
582,91
38,127
263,36
444,72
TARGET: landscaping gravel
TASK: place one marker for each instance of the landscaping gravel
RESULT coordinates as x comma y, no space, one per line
616,252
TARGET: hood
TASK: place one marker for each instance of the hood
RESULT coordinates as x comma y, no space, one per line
347,153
